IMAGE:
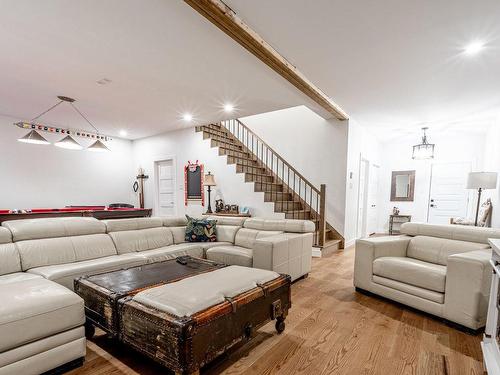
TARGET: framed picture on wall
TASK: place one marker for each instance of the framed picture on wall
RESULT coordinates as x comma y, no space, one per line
193,183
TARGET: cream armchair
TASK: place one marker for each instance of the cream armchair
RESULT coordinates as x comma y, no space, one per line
440,269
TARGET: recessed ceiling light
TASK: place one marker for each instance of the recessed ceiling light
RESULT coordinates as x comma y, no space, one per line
187,117
473,48
123,133
228,107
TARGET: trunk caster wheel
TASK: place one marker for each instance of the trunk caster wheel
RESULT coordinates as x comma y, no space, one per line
89,330
280,325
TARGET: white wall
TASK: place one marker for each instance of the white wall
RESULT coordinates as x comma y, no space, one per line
316,147
492,164
187,145
362,144
47,176
397,155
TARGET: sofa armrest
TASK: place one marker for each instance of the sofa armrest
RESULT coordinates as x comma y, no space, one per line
288,253
369,249
468,279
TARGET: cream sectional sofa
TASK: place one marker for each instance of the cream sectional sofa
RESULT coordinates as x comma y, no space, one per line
443,270
42,320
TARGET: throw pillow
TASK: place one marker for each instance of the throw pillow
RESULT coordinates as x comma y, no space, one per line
200,230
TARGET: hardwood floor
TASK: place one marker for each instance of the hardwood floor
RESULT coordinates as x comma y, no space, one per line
331,329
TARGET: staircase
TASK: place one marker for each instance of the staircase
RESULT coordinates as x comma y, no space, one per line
291,193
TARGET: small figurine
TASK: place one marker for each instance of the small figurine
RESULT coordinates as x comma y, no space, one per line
395,211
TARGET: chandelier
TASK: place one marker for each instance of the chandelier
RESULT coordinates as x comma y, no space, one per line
424,150
67,141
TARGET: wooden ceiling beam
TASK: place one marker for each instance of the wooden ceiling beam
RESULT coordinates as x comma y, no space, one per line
226,19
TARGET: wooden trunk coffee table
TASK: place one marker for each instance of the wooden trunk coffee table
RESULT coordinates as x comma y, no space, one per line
102,292
133,305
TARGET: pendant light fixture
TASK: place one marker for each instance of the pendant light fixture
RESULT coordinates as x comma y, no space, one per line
35,138
68,141
98,146
424,150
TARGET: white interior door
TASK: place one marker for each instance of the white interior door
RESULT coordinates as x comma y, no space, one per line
165,188
362,198
448,197
372,204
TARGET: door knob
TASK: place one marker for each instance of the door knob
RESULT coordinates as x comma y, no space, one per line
433,205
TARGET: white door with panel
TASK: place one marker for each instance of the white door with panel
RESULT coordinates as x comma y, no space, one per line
165,188
372,201
448,196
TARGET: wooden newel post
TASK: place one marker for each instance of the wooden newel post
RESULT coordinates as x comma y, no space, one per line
322,216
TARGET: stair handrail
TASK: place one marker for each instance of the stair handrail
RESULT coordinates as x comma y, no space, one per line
278,156
320,210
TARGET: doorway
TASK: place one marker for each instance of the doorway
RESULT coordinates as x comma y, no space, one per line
165,188
448,197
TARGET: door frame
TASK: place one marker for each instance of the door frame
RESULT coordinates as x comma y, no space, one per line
470,162
155,163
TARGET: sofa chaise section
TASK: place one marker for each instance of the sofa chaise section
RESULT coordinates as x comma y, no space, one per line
281,245
41,322
443,270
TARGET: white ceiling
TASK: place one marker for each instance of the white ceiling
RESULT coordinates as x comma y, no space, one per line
391,64
162,57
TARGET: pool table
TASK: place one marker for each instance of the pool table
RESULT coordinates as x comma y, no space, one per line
99,212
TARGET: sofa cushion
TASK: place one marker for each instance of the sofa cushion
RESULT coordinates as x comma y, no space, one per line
209,245
193,294
452,232
18,276
30,229
228,220
171,252
9,259
285,225
5,235
140,240
118,225
65,274
411,271
227,233
233,255
180,221
35,309
410,289
201,230
437,250
52,251
179,234
247,237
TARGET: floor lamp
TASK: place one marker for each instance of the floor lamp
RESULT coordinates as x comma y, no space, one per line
209,181
481,181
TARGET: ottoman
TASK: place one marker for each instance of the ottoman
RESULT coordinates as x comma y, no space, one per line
186,324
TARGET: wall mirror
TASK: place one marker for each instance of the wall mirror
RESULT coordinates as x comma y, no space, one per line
402,186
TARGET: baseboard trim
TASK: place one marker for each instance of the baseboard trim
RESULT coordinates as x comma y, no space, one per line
316,252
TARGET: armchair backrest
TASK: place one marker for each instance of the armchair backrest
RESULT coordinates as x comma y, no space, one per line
452,232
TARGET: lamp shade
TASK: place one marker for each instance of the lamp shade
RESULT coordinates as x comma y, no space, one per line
482,180
98,146
69,143
34,137
209,180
